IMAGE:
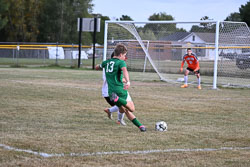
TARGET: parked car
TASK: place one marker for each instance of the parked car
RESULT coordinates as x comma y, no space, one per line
243,60
228,55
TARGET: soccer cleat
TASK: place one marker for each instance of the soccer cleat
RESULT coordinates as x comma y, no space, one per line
142,128
199,87
109,113
114,97
121,122
184,86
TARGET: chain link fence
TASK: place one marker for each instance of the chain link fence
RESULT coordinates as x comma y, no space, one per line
47,54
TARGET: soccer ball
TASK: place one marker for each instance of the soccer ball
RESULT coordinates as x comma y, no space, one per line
161,126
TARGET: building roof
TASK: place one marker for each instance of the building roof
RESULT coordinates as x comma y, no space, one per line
181,36
207,37
175,36
237,35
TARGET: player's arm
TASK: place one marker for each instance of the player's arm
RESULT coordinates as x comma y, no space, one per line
124,80
100,66
97,67
126,77
182,64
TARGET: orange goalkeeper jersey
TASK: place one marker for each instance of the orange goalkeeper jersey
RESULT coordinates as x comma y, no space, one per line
192,61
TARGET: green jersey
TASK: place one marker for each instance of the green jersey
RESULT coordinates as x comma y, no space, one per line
113,71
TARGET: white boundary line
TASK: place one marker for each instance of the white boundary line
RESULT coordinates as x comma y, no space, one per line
46,155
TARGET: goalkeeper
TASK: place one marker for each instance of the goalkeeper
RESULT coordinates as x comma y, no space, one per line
193,66
115,70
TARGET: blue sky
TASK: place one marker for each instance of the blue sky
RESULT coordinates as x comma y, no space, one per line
181,10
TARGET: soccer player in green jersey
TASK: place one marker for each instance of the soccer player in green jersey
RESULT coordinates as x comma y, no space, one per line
115,70
114,108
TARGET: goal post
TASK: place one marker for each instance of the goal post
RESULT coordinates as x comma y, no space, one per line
158,46
216,55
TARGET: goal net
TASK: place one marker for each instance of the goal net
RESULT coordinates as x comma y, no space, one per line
157,47
234,54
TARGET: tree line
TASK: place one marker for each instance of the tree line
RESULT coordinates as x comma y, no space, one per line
51,21
42,20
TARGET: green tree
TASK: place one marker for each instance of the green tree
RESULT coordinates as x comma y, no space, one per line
160,30
245,13
160,16
3,9
58,20
31,12
147,35
49,20
69,13
22,20
204,27
126,17
233,17
43,20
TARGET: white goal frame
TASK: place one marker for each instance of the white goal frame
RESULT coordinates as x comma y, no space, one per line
216,45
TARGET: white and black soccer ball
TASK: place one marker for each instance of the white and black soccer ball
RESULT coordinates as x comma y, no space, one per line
161,126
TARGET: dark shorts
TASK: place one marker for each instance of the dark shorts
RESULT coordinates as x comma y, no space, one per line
109,101
197,72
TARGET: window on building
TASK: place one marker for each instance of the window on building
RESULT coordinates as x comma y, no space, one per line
193,38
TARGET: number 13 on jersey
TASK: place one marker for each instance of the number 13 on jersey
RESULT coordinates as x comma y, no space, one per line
110,66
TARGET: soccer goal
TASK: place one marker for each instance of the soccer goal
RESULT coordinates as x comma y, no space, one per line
223,49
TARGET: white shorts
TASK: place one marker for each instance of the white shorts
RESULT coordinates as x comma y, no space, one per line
128,98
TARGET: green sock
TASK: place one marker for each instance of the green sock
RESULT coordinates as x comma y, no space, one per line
136,123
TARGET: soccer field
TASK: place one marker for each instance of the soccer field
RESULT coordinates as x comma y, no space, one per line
54,117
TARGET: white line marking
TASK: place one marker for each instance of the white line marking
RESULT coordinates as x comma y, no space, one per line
30,151
46,155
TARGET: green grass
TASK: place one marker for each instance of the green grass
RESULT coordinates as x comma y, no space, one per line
228,73
61,111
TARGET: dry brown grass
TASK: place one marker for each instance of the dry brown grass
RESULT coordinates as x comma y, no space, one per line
61,111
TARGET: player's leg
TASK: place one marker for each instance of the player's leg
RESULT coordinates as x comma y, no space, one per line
107,110
121,101
198,79
132,118
130,104
185,78
120,118
112,109
128,109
